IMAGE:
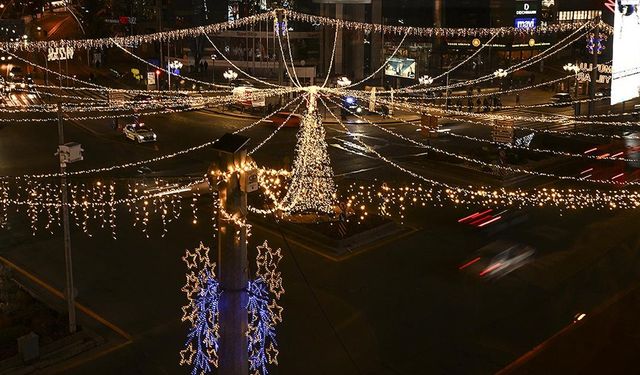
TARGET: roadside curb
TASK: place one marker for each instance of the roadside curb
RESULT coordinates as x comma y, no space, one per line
342,249
332,122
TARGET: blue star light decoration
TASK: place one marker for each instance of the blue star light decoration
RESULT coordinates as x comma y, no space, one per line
594,44
264,312
203,294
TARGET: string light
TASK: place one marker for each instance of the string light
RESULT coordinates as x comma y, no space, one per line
486,164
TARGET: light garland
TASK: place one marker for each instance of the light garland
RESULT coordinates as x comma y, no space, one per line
486,164
235,66
466,196
333,57
100,43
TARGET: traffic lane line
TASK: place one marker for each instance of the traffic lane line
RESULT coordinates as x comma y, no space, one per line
60,295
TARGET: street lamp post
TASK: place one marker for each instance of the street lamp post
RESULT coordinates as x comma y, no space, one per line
213,68
575,69
230,75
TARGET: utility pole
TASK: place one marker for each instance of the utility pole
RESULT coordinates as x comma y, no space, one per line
279,57
232,254
159,2
69,289
594,69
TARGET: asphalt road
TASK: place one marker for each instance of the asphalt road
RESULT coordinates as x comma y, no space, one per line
402,308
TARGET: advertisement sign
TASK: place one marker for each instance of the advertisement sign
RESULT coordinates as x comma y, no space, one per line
399,67
151,78
625,81
527,9
502,131
525,23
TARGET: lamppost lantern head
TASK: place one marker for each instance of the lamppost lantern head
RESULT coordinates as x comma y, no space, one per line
343,81
500,73
425,80
571,68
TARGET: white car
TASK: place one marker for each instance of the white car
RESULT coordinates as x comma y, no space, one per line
139,133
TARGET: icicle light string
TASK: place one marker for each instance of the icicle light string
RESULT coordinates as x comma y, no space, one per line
482,163
442,32
99,43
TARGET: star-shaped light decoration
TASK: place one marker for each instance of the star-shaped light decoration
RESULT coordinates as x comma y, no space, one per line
203,294
264,312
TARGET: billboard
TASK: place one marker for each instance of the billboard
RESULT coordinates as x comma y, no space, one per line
401,67
625,81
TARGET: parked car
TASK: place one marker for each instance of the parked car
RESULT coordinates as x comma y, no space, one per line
139,133
562,99
294,120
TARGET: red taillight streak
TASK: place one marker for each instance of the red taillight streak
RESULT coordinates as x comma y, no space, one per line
586,171
591,150
468,263
490,268
481,220
618,154
474,216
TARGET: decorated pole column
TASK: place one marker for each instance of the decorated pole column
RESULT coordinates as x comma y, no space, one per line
232,255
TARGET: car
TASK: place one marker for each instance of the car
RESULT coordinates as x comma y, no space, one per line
562,99
17,82
139,133
497,259
142,98
605,91
15,71
280,118
241,83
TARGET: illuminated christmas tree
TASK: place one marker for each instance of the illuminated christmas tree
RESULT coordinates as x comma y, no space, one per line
312,188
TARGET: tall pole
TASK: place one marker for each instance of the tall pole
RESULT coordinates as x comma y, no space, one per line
68,261
168,64
160,30
233,263
594,70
